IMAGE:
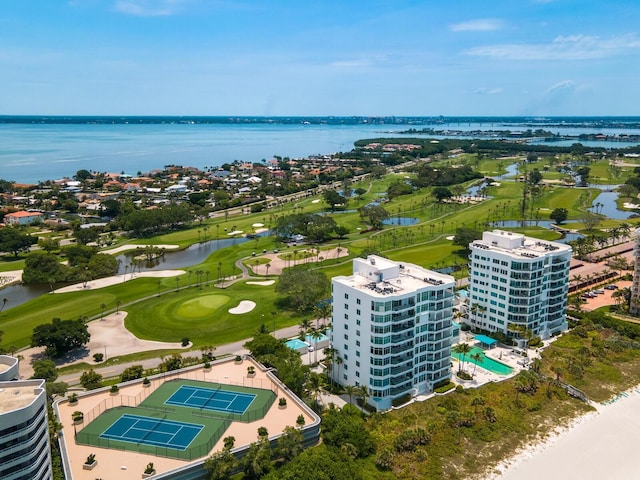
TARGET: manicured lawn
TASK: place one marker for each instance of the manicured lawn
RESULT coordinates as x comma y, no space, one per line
203,314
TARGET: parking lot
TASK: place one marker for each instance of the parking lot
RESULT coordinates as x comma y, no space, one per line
602,299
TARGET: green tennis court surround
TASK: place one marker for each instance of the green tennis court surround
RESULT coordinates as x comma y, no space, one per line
181,419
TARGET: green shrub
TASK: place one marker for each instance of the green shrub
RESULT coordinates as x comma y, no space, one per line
445,388
534,342
401,400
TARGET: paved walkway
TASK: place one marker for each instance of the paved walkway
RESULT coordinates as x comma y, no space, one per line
235,348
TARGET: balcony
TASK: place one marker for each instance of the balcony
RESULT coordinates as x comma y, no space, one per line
402,348
403,326
402,337
400,317
402,369
400,359
405,387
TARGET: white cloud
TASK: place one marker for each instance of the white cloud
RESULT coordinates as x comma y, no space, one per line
148,8
488,91
572,47
563,86
479,25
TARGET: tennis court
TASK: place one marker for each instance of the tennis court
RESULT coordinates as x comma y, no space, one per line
211,399
152,431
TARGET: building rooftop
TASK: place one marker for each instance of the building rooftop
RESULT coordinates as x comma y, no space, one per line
16,395
381,277
518,245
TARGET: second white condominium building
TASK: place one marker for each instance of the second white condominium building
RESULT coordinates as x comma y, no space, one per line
518,282
392,328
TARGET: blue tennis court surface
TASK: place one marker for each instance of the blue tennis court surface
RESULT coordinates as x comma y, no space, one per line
152,431
211,399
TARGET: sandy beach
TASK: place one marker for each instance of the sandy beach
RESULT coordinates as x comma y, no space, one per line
600,445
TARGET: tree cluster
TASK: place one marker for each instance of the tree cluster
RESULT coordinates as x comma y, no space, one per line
375,215
83,264
429,176
302,288
142,223
13,240
60,336
314,227
274,353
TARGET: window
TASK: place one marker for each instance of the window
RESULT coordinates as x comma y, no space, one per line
346,347
346,337
357,373
357,363
346,316
346,296
346,357
357,333
346,306
357,311
357,351
357,345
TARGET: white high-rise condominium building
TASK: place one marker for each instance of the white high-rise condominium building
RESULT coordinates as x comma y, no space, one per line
518,282
24,435
392,328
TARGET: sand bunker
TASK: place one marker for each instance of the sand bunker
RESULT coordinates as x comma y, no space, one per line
124,248
450,237
108,281
245,306
258,225
315,201
235,232
264,283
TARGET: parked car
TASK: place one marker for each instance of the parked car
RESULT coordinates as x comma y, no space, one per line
611,287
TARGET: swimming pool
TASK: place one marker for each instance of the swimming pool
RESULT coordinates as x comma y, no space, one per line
296,344
487,363
320,339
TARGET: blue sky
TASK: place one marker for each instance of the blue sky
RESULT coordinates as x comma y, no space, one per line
333,57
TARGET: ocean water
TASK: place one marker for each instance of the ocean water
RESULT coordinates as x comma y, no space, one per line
34,149
31,153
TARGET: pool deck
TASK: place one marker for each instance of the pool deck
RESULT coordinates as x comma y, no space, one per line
500,354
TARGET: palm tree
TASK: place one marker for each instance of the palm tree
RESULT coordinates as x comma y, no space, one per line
476,358
118,303
475,403
329,357
315,386
536,363
339,361
305,325
315,335
462,349
322,311
4,302
364,394
350,390
102,307
267,266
